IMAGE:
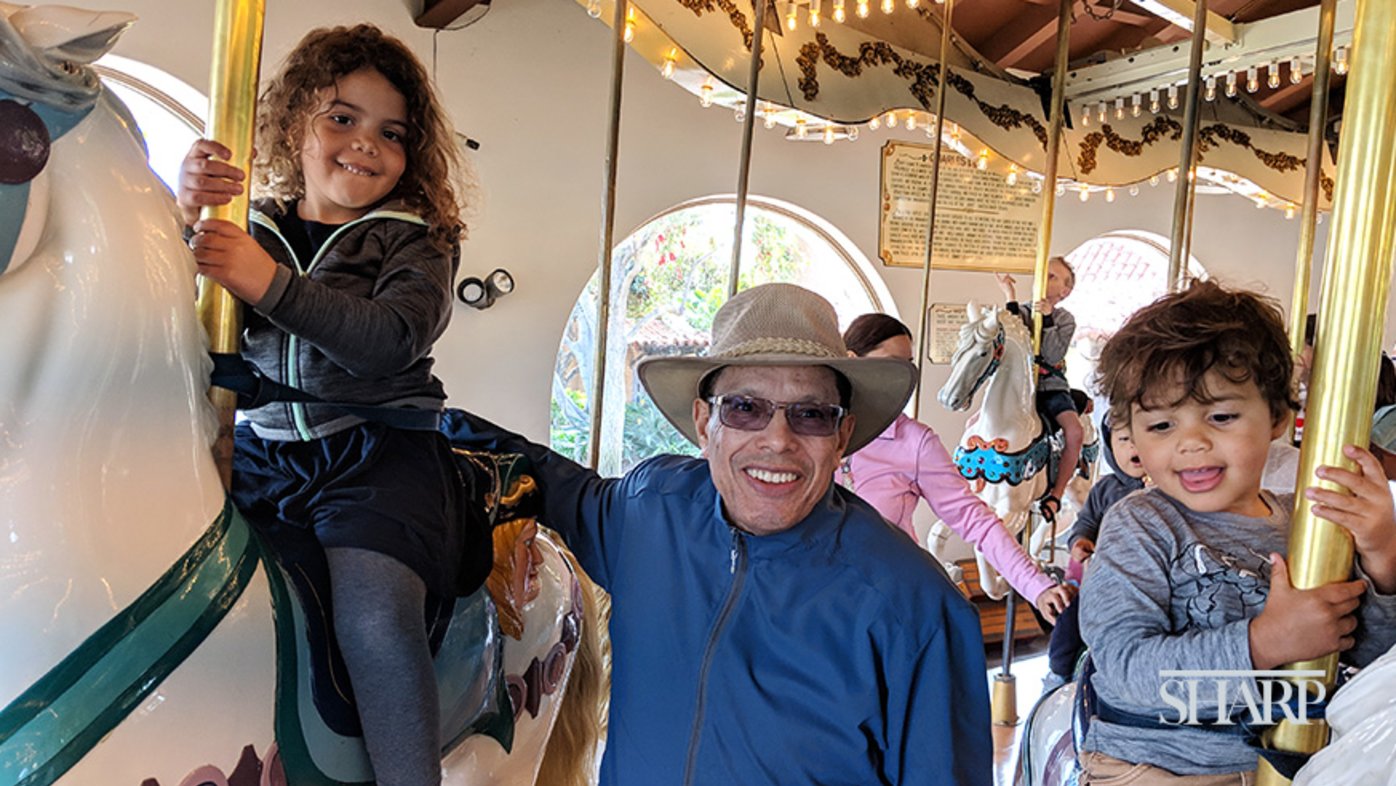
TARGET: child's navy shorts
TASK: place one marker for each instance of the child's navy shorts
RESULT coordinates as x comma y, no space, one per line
393,491
1054,402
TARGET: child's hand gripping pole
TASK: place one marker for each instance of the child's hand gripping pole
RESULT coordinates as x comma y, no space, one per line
237,55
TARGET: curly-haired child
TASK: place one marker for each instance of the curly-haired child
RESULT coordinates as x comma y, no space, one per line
1190,574
348,270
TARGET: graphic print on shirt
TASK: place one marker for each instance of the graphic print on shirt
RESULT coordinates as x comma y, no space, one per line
1216,588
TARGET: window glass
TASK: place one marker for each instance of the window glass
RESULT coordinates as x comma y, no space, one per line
669,279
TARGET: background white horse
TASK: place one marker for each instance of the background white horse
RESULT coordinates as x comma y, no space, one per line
118,555
1004,452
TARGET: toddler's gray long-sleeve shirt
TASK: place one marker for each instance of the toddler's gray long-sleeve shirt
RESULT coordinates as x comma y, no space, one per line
1173,589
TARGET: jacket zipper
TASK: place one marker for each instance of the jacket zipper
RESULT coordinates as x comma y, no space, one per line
299,421
737,568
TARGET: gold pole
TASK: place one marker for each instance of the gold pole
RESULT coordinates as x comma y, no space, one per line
1054,122
923,324
758,34
1049,177
1313,168
608,228
1180,247
1356,283
237,57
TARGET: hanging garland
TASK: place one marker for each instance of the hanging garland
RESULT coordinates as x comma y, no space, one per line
923,78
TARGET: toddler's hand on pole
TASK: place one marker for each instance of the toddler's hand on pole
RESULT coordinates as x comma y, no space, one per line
1301,625
205,180
1367,512
228,255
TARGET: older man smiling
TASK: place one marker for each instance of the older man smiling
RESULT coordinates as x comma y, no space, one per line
767,626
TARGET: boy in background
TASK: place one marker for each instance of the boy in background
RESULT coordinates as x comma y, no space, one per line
1126,477
1053,393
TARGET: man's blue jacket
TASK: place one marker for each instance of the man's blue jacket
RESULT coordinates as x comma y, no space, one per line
834,653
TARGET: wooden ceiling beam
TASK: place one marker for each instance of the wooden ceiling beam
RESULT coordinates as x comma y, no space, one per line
439,14
1220,31
1021,37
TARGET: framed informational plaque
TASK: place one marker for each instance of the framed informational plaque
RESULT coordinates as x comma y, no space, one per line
943,323
982,222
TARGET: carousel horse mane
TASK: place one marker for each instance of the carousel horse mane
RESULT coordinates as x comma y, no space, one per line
578,739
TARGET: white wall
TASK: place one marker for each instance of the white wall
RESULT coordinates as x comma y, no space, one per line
530,82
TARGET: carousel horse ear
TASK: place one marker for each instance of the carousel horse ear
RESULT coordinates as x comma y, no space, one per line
70,34
972,309
991,318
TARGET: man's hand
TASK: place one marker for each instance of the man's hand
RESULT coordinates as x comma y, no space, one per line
1298,625
206,181
228,255
1043,306
1054,600
1367,512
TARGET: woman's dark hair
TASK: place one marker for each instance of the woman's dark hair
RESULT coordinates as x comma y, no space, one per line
1170,346
869,330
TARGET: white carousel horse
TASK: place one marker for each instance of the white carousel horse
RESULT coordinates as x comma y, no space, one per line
1005,452
1047,752
1362,752
1362,714
135,610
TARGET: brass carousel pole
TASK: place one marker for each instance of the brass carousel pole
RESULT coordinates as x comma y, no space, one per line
1003,701
1313,169
758,34
1356,281
1180,247
237,56
608,228
1049,176
923,326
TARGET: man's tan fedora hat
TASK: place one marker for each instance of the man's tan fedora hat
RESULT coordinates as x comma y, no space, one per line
781,325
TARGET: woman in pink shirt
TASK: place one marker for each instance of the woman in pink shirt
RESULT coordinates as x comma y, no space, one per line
907,463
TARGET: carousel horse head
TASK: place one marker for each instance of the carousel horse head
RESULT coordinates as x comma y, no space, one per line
45,90
976,358
135,604
555,671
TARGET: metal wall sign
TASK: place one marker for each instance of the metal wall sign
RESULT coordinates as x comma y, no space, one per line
943,323
982,221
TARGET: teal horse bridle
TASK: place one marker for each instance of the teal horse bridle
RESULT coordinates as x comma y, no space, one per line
994,363
62,716
27,132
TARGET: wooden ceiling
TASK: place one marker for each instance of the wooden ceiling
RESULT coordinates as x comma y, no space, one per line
1020,35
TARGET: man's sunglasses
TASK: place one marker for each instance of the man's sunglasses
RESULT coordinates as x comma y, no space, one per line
749,413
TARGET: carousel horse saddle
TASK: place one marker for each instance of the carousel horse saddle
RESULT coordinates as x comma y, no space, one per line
316,716
317,722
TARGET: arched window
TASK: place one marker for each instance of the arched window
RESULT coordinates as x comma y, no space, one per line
169,112
669,278
1117,274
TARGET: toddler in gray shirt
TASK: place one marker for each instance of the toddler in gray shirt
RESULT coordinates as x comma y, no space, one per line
1189,576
